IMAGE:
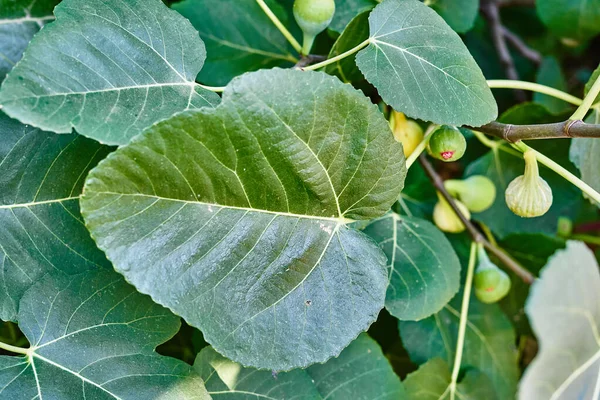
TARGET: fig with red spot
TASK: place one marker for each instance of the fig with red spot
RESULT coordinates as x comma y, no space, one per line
447,144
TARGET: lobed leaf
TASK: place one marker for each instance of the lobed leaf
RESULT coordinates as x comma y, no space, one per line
41,176
423,269
108,69
235,217
421,67
93,336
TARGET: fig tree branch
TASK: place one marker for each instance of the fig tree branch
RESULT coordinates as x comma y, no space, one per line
559,130
477,236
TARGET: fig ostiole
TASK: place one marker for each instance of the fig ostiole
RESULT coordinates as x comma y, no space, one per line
406,131
447,143
491,283
529,195
477,192
446,219
313,17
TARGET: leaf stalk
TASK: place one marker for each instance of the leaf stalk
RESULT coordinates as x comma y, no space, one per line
290,38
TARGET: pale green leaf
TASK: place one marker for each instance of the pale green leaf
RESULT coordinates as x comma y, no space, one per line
355,33
573,19
432,382
239,37
41,177
421,67
93,337
108,69
585,154
591,81
564,310
489,342
423,269
347,10
459,14
19,21
235,217
361,372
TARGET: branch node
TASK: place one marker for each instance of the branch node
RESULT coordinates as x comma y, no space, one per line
568,125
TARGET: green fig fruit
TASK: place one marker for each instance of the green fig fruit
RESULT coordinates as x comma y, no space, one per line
477,192
445,218
313,17
447,144
491,283
529,195
564,227
406,131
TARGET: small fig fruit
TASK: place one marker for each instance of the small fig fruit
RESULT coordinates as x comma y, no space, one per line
529,195
477,192
447,144
491,283
564,227
313,17
445,218
406,131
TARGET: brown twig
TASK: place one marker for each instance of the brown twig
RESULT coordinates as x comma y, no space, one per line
477,236
305,61
489,8
521,47
559,130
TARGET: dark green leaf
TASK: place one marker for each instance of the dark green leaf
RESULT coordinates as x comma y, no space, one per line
108,69
432,382
347,10
93,336
361,372
41,176
564,309
355,33
550,74
573,19
239,37
531,113
19,21
423,269
489,342
421,67
242,210
460,15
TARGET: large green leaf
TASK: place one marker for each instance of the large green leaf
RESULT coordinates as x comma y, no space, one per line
502,167
432,382
423,269
346,10
41,177
355,33
489,344
564,309
19,21
421,66
109,69
235,217
460,15
93,336
585,154
574,19
239,37
361,372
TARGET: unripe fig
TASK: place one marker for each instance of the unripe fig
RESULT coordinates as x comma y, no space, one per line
406,131
491,283
313,17
477,192
564,227
529,195
447,144
445,218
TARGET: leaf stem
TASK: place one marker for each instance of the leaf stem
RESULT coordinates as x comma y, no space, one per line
595,240
494,144
280,26
421,146
338,57
216,89
560,170
533,87
588,100
14,349
464,312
